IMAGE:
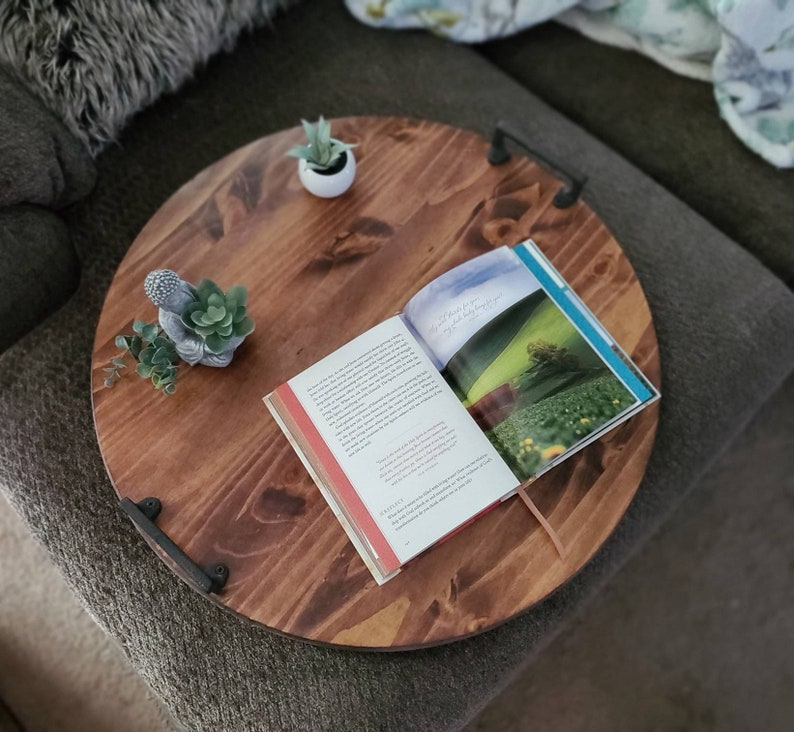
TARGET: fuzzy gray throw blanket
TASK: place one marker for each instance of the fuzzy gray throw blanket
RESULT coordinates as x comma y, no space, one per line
95,63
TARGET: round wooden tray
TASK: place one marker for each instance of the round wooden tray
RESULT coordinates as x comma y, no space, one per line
320,272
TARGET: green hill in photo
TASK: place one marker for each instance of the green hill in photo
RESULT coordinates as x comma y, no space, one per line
485,346
497,353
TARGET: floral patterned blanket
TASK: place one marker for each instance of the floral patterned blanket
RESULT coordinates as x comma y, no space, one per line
744,47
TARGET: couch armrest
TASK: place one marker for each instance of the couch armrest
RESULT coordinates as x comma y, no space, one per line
42,162
38,269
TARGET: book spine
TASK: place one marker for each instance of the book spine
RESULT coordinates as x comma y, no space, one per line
339,481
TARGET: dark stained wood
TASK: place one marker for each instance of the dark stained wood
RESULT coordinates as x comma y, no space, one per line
320,272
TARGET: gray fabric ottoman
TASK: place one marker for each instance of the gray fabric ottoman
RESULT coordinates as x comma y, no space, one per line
725,328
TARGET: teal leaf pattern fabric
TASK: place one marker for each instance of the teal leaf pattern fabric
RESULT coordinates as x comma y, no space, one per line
745,48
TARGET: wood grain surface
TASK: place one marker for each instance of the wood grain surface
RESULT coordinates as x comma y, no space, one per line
320,272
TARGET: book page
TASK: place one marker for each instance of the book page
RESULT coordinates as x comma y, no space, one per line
529,362
448,311
417,464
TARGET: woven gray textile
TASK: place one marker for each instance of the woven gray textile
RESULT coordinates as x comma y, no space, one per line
725,327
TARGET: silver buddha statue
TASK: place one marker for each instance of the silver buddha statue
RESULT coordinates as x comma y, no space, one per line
172,295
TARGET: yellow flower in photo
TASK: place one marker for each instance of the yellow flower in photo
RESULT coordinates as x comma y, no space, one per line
528,441
616,401
552,451
584,420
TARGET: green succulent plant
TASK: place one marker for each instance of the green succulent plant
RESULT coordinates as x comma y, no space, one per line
218,316
323,151
155,353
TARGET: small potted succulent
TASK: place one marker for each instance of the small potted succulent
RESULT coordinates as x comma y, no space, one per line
200,325
326,166
219,319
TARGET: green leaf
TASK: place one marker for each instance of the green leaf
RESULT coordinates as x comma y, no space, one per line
109,381
121,342
227,319
300,151
215,313
207,288
138,326
216,300
118,363
160,356
169,388
323,132
215,343
135,346
238,293
205,330
340,147
308,128
224,330
110,369
146,356
143,370
149,331
244,327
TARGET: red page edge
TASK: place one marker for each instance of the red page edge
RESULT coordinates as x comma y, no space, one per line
342,484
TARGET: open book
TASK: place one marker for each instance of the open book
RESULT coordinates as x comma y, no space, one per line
492,374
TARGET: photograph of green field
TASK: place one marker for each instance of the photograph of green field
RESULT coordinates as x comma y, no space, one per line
534,385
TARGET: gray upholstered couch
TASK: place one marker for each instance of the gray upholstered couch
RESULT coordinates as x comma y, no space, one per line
712,259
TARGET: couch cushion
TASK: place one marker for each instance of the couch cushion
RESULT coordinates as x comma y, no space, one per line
42,162
666,125
38,269
95,64
724,327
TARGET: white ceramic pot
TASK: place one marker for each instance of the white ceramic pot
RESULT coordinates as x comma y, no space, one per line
328,185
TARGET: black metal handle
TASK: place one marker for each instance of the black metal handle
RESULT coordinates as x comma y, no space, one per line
143,515
498,154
